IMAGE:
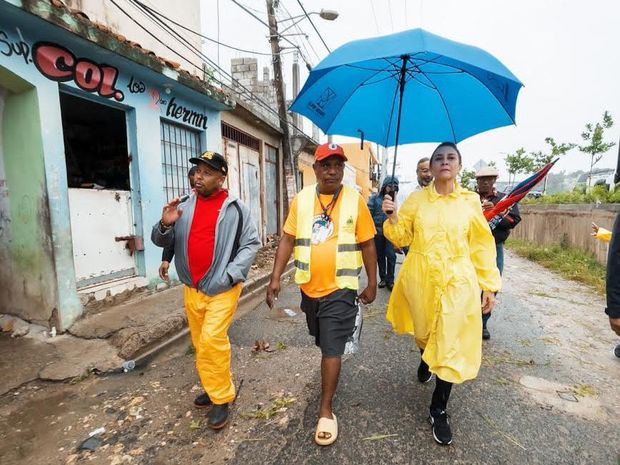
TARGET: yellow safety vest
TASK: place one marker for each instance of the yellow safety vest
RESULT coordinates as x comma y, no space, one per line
348,255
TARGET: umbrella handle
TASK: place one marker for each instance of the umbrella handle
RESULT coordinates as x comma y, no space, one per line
393,195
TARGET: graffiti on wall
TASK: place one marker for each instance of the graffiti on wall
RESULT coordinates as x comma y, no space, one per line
59,64
186,115
14,47
136,87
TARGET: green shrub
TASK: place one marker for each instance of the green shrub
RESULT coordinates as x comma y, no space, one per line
569,262
598,194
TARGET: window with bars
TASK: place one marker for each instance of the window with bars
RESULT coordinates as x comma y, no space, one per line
178,145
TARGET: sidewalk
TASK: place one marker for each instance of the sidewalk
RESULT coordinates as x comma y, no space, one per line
100,342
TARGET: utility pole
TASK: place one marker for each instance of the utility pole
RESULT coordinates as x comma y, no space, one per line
289,162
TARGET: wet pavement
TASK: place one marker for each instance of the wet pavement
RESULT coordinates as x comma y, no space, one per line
547,393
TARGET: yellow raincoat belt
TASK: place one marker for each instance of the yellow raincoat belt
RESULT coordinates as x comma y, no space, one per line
348,255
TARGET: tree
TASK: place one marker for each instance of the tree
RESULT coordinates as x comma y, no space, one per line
467,176
541,159
518,162
595,146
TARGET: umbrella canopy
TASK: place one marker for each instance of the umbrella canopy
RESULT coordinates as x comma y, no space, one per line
439,89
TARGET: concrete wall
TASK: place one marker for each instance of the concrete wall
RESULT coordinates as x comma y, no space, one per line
27,274
570,224
104,12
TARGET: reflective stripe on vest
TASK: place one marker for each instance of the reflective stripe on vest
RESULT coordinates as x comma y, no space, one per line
348,254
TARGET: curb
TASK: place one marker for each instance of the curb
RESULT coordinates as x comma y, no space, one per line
250,290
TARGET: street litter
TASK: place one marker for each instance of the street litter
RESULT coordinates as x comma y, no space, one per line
129,365
261,346
96,432
379,437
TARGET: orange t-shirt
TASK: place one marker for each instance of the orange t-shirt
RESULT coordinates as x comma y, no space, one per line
323,255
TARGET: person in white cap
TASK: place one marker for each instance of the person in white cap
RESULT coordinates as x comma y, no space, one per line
486,178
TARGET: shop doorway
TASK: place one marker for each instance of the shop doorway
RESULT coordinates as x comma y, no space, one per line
98,176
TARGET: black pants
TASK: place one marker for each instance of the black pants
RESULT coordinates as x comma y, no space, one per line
441,394
386,259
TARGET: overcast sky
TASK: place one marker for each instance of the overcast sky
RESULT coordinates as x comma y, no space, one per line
567,53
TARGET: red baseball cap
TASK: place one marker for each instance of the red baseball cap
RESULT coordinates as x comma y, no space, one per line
324,151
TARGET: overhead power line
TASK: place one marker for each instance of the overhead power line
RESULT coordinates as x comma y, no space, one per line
252,96
286,39
313,25
163,16
299,29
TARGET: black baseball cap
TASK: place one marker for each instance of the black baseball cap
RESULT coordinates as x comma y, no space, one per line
214,160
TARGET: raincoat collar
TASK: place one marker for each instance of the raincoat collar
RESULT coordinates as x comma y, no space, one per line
433,195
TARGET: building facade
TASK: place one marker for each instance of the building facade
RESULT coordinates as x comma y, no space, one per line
96,135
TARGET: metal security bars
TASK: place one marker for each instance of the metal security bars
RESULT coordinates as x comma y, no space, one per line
178,145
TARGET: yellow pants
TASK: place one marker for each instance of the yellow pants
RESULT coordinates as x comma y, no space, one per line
209,319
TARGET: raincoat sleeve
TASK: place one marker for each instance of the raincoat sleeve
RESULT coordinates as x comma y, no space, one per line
482,250
401,233
603,235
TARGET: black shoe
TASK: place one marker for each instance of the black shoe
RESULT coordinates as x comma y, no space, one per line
424,374
441,427
381,284
203,401
390,286
486,335
617,351
218,416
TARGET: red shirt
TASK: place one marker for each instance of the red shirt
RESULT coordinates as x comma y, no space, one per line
201,240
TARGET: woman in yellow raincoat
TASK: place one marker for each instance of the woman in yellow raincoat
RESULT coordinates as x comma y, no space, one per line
436,297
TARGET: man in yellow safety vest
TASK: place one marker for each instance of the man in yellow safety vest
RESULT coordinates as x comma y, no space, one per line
332,233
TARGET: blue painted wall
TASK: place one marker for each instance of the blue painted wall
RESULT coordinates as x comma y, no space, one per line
19,32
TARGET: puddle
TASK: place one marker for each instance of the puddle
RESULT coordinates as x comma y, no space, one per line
563,397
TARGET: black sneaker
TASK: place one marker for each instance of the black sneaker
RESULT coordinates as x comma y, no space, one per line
617,351
424,374
381,284
390,286
486,335
203,401
218,416
441,427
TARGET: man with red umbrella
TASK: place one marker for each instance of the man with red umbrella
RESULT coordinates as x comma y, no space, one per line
486,178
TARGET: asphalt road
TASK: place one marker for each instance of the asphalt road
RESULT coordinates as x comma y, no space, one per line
547,392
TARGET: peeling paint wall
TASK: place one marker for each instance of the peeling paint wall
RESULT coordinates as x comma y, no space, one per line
27,273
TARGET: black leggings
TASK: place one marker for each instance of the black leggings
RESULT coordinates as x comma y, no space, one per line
441,394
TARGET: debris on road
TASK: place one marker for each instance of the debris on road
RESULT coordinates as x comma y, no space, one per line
379,437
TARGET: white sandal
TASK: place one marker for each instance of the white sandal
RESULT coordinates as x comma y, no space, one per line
326,426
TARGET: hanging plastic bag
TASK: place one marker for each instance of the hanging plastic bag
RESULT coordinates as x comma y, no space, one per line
353,342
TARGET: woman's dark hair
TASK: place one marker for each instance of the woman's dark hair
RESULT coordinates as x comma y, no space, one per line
448,144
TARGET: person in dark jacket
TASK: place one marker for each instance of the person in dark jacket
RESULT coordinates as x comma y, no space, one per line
613,282
168,253
486,178
386,257
613,274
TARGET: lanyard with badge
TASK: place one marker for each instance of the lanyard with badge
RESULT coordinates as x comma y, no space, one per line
323,228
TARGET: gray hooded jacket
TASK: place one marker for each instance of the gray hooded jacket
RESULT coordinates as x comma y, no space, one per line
226,270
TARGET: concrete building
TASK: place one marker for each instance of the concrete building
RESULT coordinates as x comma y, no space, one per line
96,134
106,13
366,165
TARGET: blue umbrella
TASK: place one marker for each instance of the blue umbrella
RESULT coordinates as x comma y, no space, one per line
408,87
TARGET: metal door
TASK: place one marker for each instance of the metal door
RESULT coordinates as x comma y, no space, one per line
271,189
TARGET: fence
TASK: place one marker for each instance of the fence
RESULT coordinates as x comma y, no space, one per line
566,224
